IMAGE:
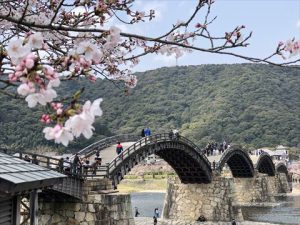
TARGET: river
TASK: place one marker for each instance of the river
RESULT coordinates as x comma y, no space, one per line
287,213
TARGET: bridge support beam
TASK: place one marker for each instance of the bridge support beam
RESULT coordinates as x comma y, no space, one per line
214,201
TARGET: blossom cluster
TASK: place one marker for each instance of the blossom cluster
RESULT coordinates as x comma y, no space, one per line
292,47
74,126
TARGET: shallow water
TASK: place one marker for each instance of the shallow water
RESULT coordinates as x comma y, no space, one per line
146,202
287,213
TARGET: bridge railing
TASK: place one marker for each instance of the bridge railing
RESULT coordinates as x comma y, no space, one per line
59,165
104,143
80,171
150,140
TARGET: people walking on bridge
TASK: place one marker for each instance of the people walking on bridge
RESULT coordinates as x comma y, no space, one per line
95,166
34,160
176,134
86,166
76,164
26,158
119,150
147,132
61,165
143,133
97,153
67,165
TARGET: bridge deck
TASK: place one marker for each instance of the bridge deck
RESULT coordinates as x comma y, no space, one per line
115,168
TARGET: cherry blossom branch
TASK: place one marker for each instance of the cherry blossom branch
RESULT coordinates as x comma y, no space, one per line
50,42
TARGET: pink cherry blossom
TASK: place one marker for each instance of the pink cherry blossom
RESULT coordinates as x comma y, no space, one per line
29,63
45,119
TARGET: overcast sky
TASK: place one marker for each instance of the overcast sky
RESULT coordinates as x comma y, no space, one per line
270,20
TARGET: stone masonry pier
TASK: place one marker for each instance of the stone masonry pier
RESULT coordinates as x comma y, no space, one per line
214,201
221,199
103,207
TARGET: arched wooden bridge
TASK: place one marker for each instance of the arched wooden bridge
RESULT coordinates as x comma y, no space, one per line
188,161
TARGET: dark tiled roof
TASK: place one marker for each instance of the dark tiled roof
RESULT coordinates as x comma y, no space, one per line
17,175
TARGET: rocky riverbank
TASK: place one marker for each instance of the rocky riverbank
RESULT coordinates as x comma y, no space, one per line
149,221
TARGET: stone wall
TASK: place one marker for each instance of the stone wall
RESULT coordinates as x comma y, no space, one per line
282,183
214,201
97,207
256,189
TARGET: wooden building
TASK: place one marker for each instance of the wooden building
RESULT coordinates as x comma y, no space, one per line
19,179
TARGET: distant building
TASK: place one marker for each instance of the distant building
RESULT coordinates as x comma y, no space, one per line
280,153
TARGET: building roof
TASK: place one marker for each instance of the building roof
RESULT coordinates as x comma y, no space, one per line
17,175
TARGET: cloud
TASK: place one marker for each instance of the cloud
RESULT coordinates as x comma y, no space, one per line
159,7
298,23
165,60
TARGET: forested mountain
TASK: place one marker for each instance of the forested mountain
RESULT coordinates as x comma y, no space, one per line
254,105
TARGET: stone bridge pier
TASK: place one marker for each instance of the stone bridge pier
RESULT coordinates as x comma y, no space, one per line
220,200
214,200
104,207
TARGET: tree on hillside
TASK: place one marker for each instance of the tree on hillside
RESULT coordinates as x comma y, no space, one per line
45,42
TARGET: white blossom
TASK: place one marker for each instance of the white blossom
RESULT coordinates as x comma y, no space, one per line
36,40
79,125
42,98
54,83
82,123
59,134
35,98
90,51
17,51
24,89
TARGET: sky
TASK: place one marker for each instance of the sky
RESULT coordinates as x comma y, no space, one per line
270,20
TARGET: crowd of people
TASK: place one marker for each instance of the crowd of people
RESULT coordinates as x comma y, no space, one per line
146,132
256,152
78,165
213,148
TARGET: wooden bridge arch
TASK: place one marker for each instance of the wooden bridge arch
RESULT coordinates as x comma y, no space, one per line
238,161
281,168
265,164
188,161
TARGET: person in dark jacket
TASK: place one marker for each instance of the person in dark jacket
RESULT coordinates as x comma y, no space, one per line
154,220
143,133
34,160
233,222
76,164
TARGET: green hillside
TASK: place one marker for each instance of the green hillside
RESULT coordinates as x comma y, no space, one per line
254,105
